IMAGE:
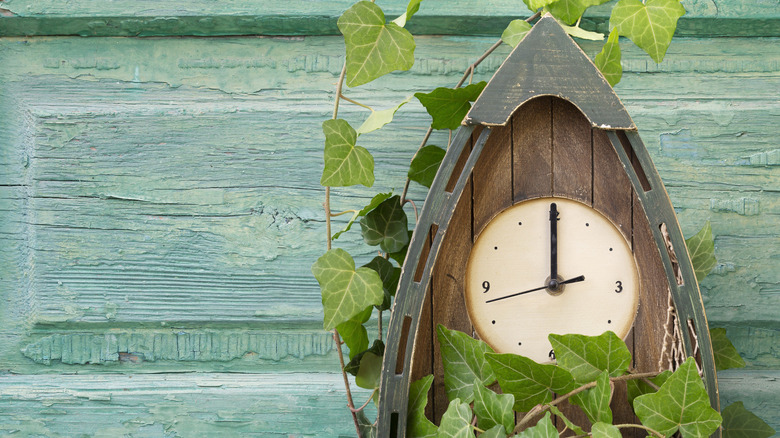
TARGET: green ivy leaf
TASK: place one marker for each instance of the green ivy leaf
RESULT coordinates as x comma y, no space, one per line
425,164
389,275
608,60
605,430
345,163
595,401
585,357
464,362
378,119
345,291
386,226
649,25
448,106
726,355
417,424
682,402
576,429
638,387
494,432
544,429
370,371
493,409
354,334
701,247
374,48
529,382
738,422
375,201
411,9
367,427
456,421
535,5
569,11
400,255
377,349
515,32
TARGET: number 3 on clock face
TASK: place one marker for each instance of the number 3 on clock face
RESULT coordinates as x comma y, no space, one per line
549,265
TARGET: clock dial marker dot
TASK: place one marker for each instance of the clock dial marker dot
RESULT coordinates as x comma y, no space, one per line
494,321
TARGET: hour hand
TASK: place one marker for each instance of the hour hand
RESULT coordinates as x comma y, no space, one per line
553,247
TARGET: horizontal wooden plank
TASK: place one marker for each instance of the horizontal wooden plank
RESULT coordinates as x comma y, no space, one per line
267,17
183,188
756,389
193,405
268,405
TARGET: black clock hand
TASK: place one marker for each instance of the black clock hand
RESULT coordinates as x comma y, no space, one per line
553,247
571,280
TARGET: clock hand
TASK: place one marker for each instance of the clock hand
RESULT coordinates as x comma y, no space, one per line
553,284
571,280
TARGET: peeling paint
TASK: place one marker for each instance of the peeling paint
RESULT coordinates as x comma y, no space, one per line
195,346
741,206
768,158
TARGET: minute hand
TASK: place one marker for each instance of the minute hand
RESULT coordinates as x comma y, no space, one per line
571,280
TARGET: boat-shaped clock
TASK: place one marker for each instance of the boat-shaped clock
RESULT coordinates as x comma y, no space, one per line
546,216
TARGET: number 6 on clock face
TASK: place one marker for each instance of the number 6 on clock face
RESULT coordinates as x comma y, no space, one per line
549,265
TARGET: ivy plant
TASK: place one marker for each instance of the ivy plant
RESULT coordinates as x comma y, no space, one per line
355,296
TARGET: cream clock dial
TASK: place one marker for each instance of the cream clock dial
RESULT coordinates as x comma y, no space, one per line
549,265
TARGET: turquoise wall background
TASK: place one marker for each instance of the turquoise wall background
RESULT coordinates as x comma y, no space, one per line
160,205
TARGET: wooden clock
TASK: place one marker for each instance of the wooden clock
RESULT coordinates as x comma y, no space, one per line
546,216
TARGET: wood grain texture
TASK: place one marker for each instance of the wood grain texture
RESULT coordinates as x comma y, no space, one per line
572,162
613,196
422,363
200,405
563,71
532,149
653,303
492,177
448,281
267,17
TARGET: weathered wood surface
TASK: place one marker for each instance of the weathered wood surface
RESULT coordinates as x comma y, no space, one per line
175,405
182,188
523,77
269,17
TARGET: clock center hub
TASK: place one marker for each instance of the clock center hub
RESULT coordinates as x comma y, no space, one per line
555,286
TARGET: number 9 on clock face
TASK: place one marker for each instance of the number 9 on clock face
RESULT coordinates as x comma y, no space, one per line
549,265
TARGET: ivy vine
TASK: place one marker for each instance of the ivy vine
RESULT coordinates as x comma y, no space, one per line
664,402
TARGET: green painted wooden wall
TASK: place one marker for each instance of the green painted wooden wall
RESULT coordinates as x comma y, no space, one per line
161,208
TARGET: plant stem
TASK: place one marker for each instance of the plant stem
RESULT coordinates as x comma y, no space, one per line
538,410
640,426
379,324
652,385
328,215
356,102
350,403
367,401
343,212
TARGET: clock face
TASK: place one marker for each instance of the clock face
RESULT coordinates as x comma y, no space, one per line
529,276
